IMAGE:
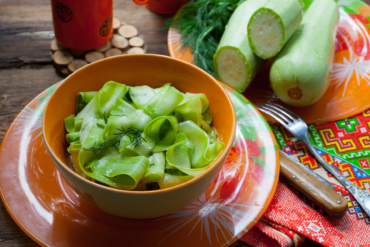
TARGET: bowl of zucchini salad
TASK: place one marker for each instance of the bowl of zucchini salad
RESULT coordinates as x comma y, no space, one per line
139,136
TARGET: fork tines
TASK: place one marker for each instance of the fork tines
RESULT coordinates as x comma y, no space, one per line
279,113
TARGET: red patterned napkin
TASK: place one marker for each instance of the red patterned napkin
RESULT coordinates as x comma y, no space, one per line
345,144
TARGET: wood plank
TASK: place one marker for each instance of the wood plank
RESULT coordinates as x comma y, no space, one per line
10,234
26,30
18,87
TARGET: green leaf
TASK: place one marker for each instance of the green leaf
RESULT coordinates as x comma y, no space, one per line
307,4
246,132
241,105
262,164
350,10
39,111
268,149
50,90
350,6
43,98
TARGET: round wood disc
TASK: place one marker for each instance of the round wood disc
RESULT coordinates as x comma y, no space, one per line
136,50
113,52
116,23
128,31
136,42
64,70
76,64
104,47
124,41
93,56
78,53
62,57
119,42
56,46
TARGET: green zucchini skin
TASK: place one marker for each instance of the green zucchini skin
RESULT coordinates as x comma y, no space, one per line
235,37
301,72
287,14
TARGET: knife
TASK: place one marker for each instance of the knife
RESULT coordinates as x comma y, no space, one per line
313,186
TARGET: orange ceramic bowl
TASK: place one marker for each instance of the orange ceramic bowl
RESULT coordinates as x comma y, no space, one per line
154,71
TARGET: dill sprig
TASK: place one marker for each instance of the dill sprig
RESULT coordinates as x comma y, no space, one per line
201,24
134,134
101,147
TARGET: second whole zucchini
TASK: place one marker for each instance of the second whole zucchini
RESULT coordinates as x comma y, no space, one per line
301,72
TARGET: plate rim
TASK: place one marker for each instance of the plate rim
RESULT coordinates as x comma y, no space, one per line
267,200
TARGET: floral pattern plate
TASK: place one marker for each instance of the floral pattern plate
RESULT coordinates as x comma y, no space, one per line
52,214
347,93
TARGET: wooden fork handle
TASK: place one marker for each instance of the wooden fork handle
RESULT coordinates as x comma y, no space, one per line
319,193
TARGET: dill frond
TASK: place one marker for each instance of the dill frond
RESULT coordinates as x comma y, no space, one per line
134,134
201,24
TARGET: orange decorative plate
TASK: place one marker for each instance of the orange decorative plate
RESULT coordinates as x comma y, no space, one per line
348,92
52,214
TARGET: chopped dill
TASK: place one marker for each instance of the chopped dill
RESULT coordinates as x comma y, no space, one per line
117,115
105,116
76,139
134,134
175,172
128,96
191,151
152,186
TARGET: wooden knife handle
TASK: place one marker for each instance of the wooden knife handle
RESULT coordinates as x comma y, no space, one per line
315,190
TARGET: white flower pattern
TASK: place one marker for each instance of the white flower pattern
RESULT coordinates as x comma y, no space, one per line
213,217
174,38
354,65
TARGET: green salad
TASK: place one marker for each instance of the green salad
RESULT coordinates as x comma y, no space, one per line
140,138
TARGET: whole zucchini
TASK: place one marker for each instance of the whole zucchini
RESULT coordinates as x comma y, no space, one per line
301,72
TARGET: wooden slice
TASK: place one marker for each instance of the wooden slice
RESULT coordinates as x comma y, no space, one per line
125,41
104,47
62,57
76,64
136,42
63,69
78,53
113,52
128,31
93,56
136,50
116,23
119,41
56,46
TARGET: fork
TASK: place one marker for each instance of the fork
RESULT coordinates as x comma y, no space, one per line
298,128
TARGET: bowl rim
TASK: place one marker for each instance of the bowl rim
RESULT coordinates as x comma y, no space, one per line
211,166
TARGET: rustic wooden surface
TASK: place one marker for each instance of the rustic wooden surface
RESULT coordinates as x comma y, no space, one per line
26,69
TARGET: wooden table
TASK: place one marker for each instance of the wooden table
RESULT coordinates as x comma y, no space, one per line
26,69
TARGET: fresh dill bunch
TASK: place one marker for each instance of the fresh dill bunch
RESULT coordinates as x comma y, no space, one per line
134,134
201,24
